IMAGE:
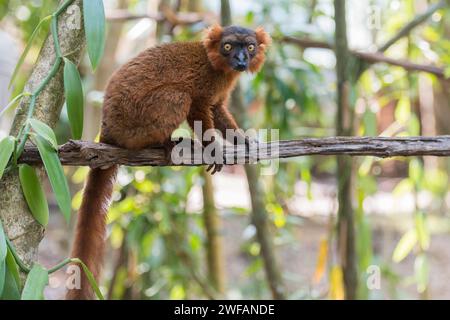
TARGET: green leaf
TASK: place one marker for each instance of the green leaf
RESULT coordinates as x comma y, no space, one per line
94,26
421,270
35,284
405,245
6,150
74,98
2,276
33,193
55,174
3,247
90,278
27,48
10,290
13,102
13,268
44,131
423,234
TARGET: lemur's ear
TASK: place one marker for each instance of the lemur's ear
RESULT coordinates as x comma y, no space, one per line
263,38
212,35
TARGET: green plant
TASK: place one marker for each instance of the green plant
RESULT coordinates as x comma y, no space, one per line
44,138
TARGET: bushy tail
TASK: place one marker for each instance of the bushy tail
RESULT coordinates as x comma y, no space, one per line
90,235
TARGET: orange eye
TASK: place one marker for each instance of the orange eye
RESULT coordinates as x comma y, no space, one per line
251,47
227,46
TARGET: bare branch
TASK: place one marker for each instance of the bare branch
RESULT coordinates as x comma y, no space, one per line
418,20
84,153
182,18
370,57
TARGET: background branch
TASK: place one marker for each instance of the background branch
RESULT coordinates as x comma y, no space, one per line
370,57
418,20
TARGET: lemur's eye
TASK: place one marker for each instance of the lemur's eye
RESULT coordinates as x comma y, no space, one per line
251,47
227,46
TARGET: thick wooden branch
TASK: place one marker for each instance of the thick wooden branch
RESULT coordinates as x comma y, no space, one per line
83,153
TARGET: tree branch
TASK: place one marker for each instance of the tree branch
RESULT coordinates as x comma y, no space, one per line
370,57
84,153
182,18
418,20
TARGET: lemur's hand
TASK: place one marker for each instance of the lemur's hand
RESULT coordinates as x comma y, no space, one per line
251,145
212,157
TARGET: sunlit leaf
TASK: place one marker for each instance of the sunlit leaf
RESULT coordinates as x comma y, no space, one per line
322,258
35,284
423,235
44,131
6,150
336,283
421,270
177,292
55,175
403,187
34,194
27,48
405,245
74,98
12,103
94,26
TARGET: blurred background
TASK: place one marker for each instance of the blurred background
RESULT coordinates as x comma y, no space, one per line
178,233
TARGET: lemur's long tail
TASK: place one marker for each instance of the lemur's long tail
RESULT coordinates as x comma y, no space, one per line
90,235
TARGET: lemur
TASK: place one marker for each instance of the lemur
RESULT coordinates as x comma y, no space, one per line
147,99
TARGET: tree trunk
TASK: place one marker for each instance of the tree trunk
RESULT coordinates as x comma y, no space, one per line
214,237
344,127
23,230
259,213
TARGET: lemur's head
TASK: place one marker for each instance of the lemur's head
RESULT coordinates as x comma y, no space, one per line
236,48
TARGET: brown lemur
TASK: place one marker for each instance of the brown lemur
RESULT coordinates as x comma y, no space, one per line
147,99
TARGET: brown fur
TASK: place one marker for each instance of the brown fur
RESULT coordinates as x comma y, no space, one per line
145,101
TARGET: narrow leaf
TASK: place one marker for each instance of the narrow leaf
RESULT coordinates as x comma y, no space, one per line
423,235
13,102
421,270
44,131
94,26
35,284
2,276
33,193
404,246
12,267
3,247
55,175
74,98
27,48
10,289
90,278
6,150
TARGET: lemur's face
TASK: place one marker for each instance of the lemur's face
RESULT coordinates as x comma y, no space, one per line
238,46
235,48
